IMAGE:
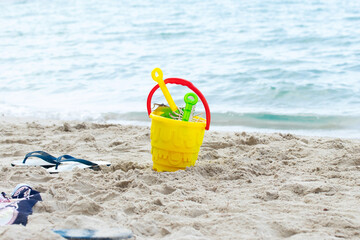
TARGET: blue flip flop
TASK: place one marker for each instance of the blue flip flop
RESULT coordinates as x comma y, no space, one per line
36,158
67,163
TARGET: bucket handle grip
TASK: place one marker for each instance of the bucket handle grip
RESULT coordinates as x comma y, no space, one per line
185,83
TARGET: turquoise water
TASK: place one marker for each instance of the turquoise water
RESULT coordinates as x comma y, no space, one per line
291,66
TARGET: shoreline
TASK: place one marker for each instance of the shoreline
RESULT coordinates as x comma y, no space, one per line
244,185
350,134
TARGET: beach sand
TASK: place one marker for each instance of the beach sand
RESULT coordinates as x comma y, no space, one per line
243,186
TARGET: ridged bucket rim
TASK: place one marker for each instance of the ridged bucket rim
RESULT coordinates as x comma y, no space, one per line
177,123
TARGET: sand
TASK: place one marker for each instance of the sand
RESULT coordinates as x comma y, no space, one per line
244,185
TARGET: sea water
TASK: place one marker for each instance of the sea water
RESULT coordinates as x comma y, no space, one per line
278,65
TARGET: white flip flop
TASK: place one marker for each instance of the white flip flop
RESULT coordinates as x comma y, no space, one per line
36,158
78,163
111,233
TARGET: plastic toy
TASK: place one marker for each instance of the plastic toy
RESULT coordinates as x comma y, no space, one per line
175,144
190,99
160,81
163,110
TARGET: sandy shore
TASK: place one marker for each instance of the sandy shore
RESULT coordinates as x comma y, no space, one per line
244,185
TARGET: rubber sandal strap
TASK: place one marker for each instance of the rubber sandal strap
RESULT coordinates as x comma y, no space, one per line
40,154
68,158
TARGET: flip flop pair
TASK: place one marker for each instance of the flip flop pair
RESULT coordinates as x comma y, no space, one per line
64,163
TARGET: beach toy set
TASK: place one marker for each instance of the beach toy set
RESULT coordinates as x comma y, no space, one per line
176,132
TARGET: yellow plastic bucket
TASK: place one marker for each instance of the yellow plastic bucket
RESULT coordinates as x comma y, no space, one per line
175,144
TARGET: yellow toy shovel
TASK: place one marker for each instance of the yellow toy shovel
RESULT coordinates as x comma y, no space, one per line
159,79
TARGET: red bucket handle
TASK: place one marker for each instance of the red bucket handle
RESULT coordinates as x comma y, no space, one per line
185,83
